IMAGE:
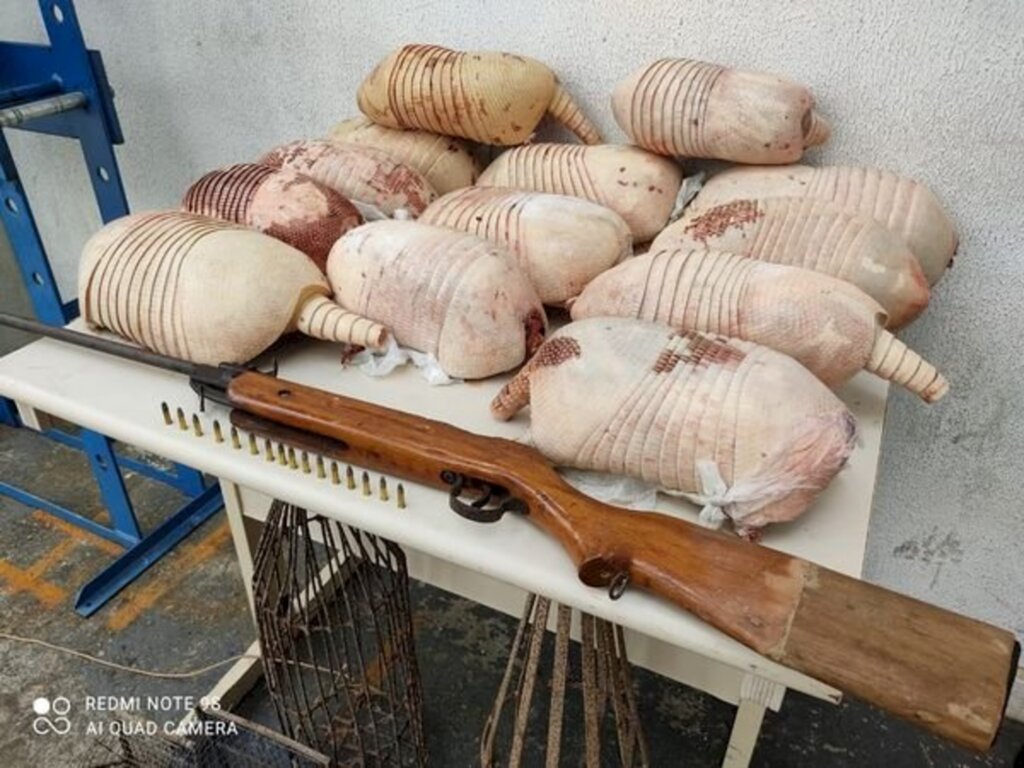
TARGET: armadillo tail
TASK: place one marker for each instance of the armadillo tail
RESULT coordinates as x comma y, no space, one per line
513,397
896,362
818,131
321,318
568,113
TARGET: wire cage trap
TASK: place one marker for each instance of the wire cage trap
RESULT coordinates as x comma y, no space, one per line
335,626
602,675
232,742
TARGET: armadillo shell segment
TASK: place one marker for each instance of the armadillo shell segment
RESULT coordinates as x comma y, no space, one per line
360,173
450,294
567,112
829,326
904,206
893,360
812,234
194,287
660,403
560,242
698,109
445,162
282,203
321,318
638,185
490,97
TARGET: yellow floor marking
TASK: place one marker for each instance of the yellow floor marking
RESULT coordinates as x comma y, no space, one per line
74,531
142,597
20,580
31,581
58,552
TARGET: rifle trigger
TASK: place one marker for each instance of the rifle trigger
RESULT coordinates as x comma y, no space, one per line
488,502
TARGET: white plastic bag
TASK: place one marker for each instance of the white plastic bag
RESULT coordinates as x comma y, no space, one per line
382,363
618,490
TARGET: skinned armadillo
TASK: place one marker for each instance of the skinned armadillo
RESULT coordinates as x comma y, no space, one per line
828,325
486,96
207,290
903,205
444,161
560,242
281,202
696,109
639,186
373,180
740,428
808,233
450,294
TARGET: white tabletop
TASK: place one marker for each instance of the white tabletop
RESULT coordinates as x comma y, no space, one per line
122,400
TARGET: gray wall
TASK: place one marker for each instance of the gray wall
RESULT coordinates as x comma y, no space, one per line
932,90
13,296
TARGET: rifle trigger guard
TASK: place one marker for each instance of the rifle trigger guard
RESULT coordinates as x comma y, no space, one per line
489,505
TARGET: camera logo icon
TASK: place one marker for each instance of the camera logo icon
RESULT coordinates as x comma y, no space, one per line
51,715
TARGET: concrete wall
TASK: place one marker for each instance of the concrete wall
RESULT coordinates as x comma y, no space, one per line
931,89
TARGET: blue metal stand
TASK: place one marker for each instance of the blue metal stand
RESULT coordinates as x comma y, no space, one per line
62,90
8,414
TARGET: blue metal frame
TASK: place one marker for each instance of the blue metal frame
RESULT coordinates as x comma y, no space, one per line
8,413
29,72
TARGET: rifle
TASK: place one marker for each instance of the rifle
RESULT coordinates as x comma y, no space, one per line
948,673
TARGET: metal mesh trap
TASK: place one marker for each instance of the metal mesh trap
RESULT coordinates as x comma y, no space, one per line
602,675
332,604
222,740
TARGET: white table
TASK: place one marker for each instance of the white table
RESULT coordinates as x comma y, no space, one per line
491,564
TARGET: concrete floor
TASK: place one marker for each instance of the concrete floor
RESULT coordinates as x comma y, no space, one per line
190,610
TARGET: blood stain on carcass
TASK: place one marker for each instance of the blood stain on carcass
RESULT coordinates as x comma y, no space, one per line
699,350
721,218
534,327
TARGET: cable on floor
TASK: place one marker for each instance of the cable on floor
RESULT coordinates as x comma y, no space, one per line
134,670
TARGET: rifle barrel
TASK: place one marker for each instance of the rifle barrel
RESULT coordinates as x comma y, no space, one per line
114,348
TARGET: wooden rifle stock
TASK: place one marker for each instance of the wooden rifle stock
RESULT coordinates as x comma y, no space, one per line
947,673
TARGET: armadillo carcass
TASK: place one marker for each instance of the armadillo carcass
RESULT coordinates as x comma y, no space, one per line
280,202
207,290
638,185
740,428
905,206
373,180
808,233
486,96
697,109
444,161
828,325
450,294
560,242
